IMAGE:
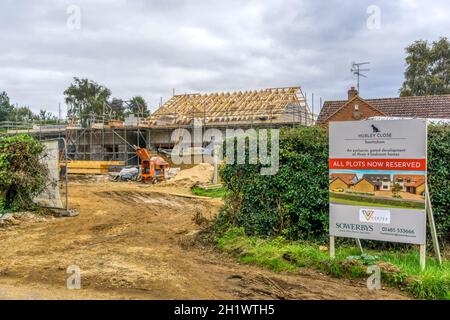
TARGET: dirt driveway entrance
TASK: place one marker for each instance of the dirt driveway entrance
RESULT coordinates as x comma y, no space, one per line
133,242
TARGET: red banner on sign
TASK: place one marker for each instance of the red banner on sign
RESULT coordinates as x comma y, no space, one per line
379,164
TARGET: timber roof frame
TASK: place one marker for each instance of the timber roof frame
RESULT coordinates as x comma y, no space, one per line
270,104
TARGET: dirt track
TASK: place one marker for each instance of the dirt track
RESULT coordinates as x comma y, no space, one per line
135,242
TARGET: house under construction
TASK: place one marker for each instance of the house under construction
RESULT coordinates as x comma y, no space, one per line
114,140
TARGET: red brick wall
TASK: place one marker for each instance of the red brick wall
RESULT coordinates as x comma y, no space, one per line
347,113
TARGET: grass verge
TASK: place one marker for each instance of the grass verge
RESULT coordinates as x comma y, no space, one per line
213,193
376,202
368,204
398,269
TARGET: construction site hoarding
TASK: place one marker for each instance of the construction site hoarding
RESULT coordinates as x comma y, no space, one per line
377,180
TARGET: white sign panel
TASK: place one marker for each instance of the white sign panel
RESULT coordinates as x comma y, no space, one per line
378,174
367,215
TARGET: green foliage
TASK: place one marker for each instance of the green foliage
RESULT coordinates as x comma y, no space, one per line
355,199
428,69
118,108
365,259
22,175
212,193
270,205
86,98
9,112
429,287
5,106
294,202
46,117
20,114
439,176
138,106
396,188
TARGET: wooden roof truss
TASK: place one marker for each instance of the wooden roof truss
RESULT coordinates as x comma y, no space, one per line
272,104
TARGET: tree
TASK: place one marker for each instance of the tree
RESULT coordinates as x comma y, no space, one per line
45,116
20,114
117,107
5,106
42,115
396,188
85,98
138,106
427,68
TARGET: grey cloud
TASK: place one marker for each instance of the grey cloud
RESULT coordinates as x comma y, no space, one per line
149,47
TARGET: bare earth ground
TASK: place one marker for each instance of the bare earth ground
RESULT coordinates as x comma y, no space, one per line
133,241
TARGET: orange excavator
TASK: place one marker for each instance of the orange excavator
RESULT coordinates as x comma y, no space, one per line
153,169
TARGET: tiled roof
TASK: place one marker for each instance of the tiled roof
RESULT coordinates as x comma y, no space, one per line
368,180
415,180
346,177
376,179
415,107
264,105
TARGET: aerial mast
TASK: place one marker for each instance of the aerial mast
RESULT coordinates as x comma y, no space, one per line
358,70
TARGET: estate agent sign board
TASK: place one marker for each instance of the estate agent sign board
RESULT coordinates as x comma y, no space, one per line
378,176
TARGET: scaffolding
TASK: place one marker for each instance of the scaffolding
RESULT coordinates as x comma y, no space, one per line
107,139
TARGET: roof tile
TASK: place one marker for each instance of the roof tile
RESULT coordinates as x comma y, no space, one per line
415,107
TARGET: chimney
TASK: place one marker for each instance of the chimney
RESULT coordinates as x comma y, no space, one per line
352,93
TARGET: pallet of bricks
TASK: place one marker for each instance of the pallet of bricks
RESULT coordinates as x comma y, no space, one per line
91,167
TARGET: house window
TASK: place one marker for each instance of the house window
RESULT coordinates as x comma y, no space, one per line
400,180
385,187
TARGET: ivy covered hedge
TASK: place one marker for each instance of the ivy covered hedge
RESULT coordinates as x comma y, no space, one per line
22,175
294,202
439,176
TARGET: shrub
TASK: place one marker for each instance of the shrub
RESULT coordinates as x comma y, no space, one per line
22,175
294,202
271,205
439,176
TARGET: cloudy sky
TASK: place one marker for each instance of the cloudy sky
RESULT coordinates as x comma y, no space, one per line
147,48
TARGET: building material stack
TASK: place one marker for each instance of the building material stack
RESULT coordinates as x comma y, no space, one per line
91,167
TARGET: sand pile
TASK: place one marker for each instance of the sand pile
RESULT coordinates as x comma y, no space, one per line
200,174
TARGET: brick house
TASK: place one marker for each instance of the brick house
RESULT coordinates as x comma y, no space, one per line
411,183
342,181
373,182
364,185
357,108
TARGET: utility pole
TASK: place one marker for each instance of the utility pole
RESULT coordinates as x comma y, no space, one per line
59,113
357,70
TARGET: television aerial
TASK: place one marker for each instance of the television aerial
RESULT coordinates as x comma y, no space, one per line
357,69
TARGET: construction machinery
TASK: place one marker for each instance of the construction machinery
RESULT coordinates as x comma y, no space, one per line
153,169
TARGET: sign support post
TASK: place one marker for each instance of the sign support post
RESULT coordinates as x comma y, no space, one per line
423,256
358,242
332,248
437,250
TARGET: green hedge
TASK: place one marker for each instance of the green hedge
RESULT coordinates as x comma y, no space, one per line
272,205
439,176
294,202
